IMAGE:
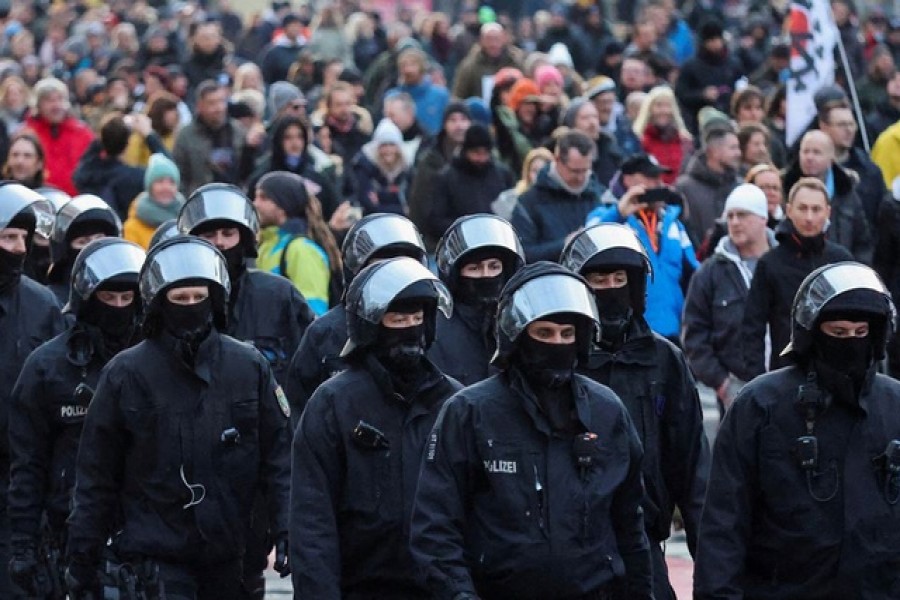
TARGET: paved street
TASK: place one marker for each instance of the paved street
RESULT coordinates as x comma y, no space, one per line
681,568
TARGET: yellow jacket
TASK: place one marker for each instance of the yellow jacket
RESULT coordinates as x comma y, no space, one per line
135,230
886,153
137,154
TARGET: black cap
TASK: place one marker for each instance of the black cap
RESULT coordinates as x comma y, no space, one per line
711,30
477,136
351,75
828,94
645,164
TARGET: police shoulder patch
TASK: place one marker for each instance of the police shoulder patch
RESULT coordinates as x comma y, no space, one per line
282,402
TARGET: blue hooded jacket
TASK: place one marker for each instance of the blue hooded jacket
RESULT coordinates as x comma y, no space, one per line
672,264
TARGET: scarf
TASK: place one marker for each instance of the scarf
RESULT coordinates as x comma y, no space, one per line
152,213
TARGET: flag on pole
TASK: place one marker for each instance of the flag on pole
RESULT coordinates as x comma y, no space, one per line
813,36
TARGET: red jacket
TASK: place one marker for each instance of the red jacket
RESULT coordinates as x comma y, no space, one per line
61,151
669,151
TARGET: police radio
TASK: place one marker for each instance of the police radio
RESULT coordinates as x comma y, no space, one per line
584,446
889,462
806,449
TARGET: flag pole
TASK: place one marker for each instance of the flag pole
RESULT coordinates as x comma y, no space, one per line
854,97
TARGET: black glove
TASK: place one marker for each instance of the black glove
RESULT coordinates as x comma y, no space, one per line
23,567
81,578
281,556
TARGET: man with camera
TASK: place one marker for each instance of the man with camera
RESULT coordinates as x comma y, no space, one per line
652,211
804,494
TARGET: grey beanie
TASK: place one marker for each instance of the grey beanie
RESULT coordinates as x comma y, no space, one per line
280,94
568,116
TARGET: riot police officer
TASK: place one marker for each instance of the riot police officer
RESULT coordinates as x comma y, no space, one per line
263,309
183,431
48,406
804,491
376,237
475,258
531,482
650,375
38,262
359,443
81,220
29,316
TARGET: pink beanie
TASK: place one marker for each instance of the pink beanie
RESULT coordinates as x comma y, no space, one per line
547,74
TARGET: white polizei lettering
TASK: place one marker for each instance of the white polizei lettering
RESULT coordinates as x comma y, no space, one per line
72,410
501,466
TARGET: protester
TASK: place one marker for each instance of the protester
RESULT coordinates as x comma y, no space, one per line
159,202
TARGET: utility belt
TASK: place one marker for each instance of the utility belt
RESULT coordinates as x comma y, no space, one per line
133,579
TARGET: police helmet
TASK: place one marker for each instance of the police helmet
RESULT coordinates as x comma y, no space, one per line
537,291
217,205
86,212
102,261
377,286
166,231
475,235
24,208
185,260
844,287
608,247
57,198
384,234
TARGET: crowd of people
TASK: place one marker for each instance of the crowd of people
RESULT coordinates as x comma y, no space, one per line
421,301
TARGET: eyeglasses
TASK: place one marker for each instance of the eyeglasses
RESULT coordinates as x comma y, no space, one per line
297,106
844,124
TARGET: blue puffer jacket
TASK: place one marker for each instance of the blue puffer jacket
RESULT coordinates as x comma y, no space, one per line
430,100
672,265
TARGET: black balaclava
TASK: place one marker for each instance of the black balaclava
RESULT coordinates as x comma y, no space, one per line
11,264
401,350
189,324
842,365
117,326
615,307
38,263
483,291
546,366
236,256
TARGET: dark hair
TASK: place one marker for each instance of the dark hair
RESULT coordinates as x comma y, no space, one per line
279,129
574,139
157,107
114,134
206,88
746,133
776,97
744,96
825,112
38,180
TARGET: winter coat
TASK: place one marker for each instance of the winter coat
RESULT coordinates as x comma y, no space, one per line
111,179
547,213
669,149
701,72
886,153
776,280
460,191
870,188
477,65
774,530
705,192
369,179
848,225
714,313
430,101
883,116
672,265
277,60
352,497
423,187
200,67
63,145
193,153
